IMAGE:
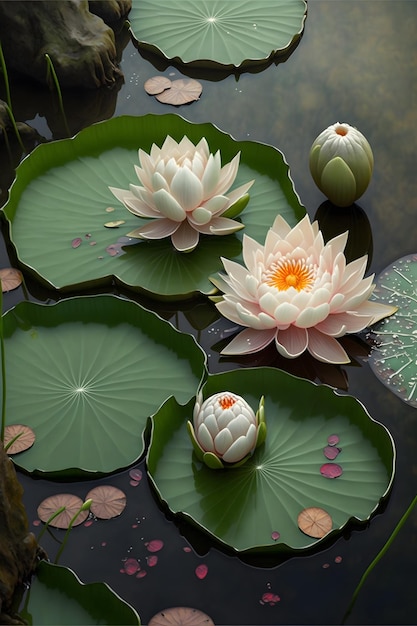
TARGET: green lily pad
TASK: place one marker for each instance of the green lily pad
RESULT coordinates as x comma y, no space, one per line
57,596
217,33
254,508
86,373
58,204
394,358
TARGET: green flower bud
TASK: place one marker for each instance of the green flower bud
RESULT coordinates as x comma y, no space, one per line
341,163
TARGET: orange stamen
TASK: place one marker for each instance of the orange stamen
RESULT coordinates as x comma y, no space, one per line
226,402
290,273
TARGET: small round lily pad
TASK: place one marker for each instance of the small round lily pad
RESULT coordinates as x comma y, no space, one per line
314,522
156,85
22,437
181,91
72,505
107,501
10,278
181,616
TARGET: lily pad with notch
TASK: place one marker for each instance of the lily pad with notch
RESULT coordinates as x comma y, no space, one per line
394,355
61,193
241,507
86,373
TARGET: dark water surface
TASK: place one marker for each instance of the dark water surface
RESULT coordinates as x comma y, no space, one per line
356,63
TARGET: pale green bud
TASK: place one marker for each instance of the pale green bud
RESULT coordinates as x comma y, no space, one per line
341,163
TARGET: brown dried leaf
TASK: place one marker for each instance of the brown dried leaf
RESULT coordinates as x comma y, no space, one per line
181,616
23,435
156,85
10,278
315,522
107,502
182,91
72,505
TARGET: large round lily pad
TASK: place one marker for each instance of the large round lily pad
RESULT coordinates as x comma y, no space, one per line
255,507
86,373
394,357
60,202
217,33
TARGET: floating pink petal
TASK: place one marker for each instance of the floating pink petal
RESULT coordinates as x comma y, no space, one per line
333,440
331,452
155,545
136,475
275,535
131,566
270,598
152,560
201,571
331,470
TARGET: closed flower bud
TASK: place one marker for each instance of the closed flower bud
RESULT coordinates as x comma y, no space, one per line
226,430
341,163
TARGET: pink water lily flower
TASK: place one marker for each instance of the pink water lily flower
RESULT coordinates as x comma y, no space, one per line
185,191
298,292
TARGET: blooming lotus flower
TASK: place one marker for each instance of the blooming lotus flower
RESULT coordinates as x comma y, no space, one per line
226,430
298,292
185,191
341,163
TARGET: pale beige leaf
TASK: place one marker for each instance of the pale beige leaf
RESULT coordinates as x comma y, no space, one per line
72,505
315,522
22,435
156,85
182,91
10,278
181,616
107,502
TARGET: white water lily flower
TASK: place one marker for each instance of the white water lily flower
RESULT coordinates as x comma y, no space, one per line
341,163
225,429
185,191
298,292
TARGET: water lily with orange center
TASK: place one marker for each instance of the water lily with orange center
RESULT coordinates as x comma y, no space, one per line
185,192
298,292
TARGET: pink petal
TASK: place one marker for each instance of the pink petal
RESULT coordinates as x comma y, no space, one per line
185,238
325,348
249,341
377,310
156,229
291,342
251,248
339,324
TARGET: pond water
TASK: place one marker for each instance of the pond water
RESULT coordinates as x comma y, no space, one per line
356,63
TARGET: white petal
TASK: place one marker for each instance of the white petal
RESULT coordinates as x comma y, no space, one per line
240,448
211,175
223,441
377,310
257,320
238,426
204,438
312,315
222,226
291,342
120,194
168,206
235,195
185,238
286,313
227,176
159,182
157,229
325,348
200,216
250,249
216,204
249,341
187,189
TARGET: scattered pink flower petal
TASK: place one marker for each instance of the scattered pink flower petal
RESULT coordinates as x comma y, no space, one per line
201,571
275,535
331,470
155,545
131,566
270,598
141,574
338,559
332,440
331,452
76,243
152,560
136,475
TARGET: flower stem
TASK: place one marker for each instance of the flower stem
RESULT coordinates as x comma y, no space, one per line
3,369
85,507
379,556
51,72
